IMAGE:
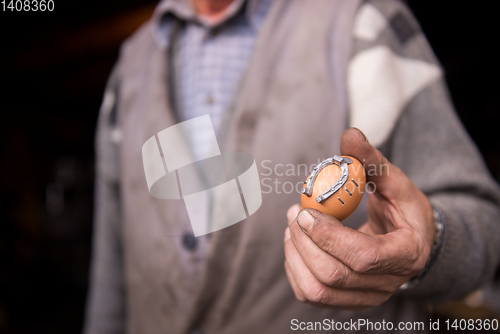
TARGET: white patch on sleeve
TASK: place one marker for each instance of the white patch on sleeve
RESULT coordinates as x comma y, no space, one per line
380,85
369,23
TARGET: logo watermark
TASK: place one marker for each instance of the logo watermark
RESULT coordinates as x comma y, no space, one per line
184,162
272,176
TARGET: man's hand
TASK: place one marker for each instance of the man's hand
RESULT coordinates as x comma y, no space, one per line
329,264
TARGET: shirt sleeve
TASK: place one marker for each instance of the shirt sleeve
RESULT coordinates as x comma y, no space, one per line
106,296
398,97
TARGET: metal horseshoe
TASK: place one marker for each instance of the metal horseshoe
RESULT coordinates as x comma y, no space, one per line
343,163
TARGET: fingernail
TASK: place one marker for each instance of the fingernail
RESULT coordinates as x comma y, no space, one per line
305,221
366,138
287,234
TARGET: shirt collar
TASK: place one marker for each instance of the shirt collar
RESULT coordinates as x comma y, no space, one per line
167,10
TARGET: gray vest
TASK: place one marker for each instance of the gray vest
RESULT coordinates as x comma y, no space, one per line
290,110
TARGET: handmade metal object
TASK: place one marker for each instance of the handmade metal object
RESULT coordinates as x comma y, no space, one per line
335,186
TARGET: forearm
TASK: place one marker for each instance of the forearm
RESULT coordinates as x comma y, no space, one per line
398,98
431,146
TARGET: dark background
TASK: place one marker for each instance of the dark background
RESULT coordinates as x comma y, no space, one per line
53,68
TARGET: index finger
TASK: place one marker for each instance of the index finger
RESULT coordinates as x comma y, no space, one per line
330,271
361,252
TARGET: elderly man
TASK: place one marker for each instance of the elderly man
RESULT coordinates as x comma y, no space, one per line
283,80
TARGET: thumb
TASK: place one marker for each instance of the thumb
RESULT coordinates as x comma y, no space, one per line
397,199
387,179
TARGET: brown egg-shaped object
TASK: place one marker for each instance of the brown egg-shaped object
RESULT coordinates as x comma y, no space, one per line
336,188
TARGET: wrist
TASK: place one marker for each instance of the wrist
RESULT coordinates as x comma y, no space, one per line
436,247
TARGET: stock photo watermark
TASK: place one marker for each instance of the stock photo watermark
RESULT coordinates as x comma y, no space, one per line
218,189
271,176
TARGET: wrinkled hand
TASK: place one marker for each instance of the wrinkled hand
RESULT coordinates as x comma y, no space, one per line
331,265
